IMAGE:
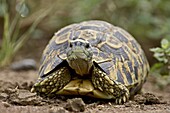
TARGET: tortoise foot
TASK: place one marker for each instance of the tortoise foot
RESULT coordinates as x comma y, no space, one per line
48,86
115,89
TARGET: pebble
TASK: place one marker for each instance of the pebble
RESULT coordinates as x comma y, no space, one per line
3,96
75,105
6,104
26,64
58,110
23,94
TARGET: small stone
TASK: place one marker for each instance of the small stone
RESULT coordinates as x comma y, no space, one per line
24,85
3,96
130,104
147,99
100,107
140,99
26,64
75,105
23,94
151,99
6,104
11,91
58,110
110,103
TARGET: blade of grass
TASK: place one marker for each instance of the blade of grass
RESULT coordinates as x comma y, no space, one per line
26,35
14,28
12,42
5,48
6,38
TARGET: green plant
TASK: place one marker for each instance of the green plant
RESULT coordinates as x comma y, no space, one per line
12,39
162,69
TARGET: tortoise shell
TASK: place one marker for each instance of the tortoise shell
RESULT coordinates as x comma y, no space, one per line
115,51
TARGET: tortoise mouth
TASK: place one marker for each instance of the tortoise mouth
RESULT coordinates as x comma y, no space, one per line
74,55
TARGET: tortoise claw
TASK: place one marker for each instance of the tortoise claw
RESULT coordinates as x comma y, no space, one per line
122,99
32,90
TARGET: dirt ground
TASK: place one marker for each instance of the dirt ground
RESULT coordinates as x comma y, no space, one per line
15,96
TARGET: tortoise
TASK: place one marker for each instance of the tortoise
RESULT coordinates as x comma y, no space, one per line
92,58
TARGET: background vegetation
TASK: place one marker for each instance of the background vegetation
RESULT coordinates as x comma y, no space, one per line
37,20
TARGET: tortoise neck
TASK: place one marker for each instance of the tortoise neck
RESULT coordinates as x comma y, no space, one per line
80,59
81,66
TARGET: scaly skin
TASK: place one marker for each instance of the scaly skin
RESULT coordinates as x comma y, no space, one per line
48,86
115,89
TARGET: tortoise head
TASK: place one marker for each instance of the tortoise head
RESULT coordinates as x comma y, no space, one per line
79,56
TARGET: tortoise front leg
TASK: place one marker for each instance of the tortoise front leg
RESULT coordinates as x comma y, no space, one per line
113,88
49,85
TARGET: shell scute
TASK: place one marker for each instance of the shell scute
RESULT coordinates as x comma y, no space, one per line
121,37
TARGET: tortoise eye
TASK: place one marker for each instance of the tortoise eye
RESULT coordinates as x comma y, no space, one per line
71,45
87,45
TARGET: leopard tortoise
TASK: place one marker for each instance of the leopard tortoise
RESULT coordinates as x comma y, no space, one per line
92,58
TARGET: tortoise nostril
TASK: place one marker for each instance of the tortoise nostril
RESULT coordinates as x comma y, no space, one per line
71,45
87,45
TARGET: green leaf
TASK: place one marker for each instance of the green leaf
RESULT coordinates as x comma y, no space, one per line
158,54
22,9
157,49
165,43
167,51
156,67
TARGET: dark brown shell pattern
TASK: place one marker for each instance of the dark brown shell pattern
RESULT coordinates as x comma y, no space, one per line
114,50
